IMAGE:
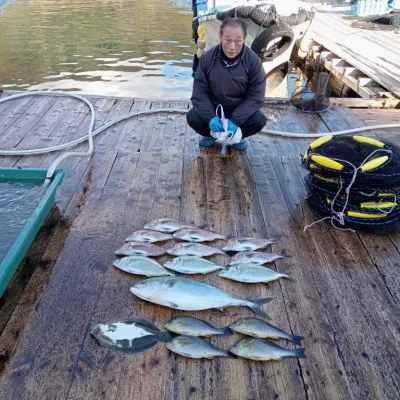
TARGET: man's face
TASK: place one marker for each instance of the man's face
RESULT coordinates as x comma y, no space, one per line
232,40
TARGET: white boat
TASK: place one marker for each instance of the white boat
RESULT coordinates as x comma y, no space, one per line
273,26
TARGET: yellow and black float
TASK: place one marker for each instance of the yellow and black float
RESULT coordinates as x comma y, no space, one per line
355,180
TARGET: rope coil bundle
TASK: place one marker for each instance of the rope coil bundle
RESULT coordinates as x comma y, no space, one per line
266,18
354,181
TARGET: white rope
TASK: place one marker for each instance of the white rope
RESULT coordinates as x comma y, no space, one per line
91,134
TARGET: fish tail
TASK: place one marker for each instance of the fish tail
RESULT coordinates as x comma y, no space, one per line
289,275
225,331
299,353
296,340
165,336
284,254
256,307
230,355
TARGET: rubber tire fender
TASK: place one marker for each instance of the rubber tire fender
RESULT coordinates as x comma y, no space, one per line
275,31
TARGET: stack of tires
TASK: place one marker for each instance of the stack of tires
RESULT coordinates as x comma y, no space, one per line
354,181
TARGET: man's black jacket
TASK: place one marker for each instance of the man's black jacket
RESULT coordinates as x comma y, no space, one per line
240,88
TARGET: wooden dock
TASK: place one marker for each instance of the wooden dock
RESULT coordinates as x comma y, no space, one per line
344,299
364,60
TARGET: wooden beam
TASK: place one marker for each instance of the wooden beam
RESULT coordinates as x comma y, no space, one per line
346,102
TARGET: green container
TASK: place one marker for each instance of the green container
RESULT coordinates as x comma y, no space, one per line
24,240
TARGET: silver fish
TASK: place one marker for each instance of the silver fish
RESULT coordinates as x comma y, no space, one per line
132,335
194,347
140,265
197,235
148,236
262,329
140,249
251,273
191,265
167,225
248,244
256,257
194,327
262,350
188,295
193,249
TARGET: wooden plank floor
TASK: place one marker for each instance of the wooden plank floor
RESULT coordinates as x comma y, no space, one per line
373,52
344,299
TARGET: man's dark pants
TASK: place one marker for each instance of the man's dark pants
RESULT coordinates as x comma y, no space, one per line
250,127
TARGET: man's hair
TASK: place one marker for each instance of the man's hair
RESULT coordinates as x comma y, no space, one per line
233,22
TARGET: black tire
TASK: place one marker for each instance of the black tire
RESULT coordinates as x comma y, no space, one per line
260,44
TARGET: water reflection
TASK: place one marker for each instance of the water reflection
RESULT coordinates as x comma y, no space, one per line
103,47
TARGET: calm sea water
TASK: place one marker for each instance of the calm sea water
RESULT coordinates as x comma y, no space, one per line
134,48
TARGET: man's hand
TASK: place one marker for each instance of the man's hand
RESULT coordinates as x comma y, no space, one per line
232,126
216,125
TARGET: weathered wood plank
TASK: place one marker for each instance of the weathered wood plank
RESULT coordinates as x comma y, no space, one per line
221,219
21,296
343,40
87,267
283,378
71,122
130,131
261,143
175,129
344,284
363,274
133,211
322,371
107,139
22,126
12,111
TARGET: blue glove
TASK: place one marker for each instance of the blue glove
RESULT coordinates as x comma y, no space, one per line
232,126
216,125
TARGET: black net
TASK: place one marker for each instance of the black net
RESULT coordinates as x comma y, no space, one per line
306,101
354,181
265,18
297,18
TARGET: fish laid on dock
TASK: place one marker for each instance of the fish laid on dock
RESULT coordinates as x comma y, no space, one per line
194,347
251,273
140,265
193,249
140,249
197,235
194,327
248,244
256,257
192,265
262,329
262,350
148,236
132,335
188,295
167,225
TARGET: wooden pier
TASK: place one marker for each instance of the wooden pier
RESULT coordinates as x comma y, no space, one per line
364,60
344,299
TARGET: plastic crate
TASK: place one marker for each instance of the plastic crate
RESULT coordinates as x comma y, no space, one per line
363,8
